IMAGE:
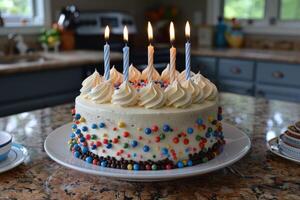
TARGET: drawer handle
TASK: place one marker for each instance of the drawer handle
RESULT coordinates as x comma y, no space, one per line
261,93
236,70
278,75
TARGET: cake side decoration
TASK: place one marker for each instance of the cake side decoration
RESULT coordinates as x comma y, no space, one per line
134,74
125,95
115,76
102,92
178,96
196,91
165,75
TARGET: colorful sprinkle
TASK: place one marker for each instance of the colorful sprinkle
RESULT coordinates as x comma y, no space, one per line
125,145
186,141
180,164
190,130
162,136
109,146
166,128
164,151
126,133
72,135
136,167
89,159
154,128
103,163
94,126
134,143
129,166
74,126
84,149
94,137
198,137
148,131
121,125
78,131
77,116
175,140
146,148
102,125
84,128
154,167
157,139
76,154
199,121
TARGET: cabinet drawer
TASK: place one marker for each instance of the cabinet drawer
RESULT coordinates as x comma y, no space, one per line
206,65
278,92
239,87
237,69
276,73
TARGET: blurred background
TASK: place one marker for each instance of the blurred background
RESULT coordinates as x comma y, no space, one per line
47,47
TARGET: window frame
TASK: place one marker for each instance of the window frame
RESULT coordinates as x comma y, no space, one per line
41,18
272,10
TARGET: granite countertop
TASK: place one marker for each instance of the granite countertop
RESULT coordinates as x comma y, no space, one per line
59,60
264,175
292,57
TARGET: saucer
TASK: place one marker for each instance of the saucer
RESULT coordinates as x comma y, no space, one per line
15,157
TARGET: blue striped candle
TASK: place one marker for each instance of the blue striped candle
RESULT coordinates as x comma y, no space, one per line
106,61
125,63
187,60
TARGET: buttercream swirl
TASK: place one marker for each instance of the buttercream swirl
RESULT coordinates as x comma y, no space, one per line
115,76
152,96
178,96
165,75
90,82
182,75
196,90
102,92
126,95
150,69
210,91
134,74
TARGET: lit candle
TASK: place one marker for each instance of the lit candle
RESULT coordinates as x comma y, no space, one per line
187,52
150,52
125,55
172,54
106,54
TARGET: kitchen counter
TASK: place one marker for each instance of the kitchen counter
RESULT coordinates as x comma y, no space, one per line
59,60
292,57
262,174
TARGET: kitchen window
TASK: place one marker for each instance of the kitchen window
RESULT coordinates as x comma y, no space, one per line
28,14
259,16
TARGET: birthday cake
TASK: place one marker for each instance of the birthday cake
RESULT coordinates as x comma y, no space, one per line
141,125
289,141
147,121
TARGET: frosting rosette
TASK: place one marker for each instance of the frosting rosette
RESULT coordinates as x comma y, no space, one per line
126,95
182,75
150,70
210,91
115,76
134,74
165,75
102,92
178,96
152,96
90,82
196,90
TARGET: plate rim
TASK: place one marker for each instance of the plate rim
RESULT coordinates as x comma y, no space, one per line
19,157
274,140
133,175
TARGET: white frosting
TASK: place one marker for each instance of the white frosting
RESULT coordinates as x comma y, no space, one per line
115,76
90,82
134,74
165,75
102,92
182,75
126,95
209,89
150,69
152,96
196,90
178,96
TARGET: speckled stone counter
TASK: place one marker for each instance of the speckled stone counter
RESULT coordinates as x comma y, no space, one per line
291,57
259,175
58,60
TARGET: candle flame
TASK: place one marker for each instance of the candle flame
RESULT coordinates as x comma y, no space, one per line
125,34
150,31
172,32
106,33
187,29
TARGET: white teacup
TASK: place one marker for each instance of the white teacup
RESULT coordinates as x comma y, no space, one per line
5,145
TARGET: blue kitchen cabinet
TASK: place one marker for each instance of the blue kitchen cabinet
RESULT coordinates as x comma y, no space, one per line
236,69
278,92
236,86
32,90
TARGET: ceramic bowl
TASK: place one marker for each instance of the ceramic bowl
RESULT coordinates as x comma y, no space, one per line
5,145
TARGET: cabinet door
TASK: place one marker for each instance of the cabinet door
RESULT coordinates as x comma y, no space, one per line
278,92
279,74
234,86
206,65
236,69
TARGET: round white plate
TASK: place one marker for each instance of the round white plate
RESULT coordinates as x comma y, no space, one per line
16,156
237,145
273,146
